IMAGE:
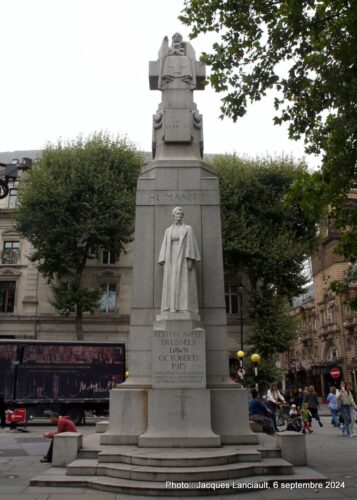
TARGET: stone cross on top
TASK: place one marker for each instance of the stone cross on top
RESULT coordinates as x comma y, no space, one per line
177,74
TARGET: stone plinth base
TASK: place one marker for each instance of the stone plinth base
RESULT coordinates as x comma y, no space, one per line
179,418
230,416
178,316
293,447
128,416
65,448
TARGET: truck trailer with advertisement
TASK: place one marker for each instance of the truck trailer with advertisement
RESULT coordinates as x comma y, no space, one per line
71,378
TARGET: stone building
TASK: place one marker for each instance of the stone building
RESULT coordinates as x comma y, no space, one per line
327,327
26,311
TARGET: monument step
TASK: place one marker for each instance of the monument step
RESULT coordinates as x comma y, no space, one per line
273,466
178,458
87,453
269,452
56,477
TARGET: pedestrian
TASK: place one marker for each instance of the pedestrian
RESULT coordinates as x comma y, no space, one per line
353,408
346,403
258,412
332,404
274,398
313,403
296,397
64,424
2,411
306,418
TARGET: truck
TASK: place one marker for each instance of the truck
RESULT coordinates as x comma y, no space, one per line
70,378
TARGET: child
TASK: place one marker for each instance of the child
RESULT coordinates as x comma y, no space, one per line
293,412
295,419
306,418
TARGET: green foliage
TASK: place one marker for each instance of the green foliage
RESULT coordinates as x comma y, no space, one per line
267,374
78,199
306,51
274,327
68,297
267,240
263,236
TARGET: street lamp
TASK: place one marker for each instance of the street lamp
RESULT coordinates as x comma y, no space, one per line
240,295
255,359
241,372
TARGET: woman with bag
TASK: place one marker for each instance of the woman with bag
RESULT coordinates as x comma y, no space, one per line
346,402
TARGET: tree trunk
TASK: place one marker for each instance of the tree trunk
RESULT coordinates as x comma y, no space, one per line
79,325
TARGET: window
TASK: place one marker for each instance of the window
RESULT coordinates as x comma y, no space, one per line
10,254
7,296
231,295
108,257
108,300
331,353
13,198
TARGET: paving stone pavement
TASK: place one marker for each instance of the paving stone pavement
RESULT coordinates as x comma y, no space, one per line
329,453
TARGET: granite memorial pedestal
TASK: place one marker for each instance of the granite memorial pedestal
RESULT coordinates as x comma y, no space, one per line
179,393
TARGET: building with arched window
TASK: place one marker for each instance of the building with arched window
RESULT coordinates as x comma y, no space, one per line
327,327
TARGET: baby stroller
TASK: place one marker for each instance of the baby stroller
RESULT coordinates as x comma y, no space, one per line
294,424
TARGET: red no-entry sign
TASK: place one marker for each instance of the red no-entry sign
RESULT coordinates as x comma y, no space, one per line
335,372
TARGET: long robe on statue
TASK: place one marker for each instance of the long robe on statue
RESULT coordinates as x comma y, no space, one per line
179,288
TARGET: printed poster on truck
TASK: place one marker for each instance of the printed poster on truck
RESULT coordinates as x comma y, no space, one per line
66,371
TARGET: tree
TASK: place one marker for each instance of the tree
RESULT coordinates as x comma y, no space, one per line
78,198
266,240
306,51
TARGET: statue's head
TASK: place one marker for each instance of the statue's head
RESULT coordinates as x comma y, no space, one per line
177,38
177,214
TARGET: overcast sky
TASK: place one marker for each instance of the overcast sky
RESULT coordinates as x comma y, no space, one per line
71,67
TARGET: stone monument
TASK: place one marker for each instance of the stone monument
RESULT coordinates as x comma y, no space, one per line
178,393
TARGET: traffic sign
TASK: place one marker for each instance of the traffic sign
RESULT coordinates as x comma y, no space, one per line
335,372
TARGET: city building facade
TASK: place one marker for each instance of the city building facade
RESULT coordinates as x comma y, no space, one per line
327,326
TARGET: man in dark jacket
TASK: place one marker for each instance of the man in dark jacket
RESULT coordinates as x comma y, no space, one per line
64,424
313,404
259,413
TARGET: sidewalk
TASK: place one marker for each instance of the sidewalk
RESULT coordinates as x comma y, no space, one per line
329,453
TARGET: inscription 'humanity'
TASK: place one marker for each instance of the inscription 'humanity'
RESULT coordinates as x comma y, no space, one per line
179,359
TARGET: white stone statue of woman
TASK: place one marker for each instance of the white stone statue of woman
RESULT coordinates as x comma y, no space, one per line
178,254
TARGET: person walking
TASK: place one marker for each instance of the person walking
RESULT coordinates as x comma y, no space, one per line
353,407
64,424
274,398
296,397
332,404
346,402
306,416
313,403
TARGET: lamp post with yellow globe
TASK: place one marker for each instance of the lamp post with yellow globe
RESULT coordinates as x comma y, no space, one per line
241,372
255,359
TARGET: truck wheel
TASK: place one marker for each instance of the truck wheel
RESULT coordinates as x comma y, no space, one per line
75,413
